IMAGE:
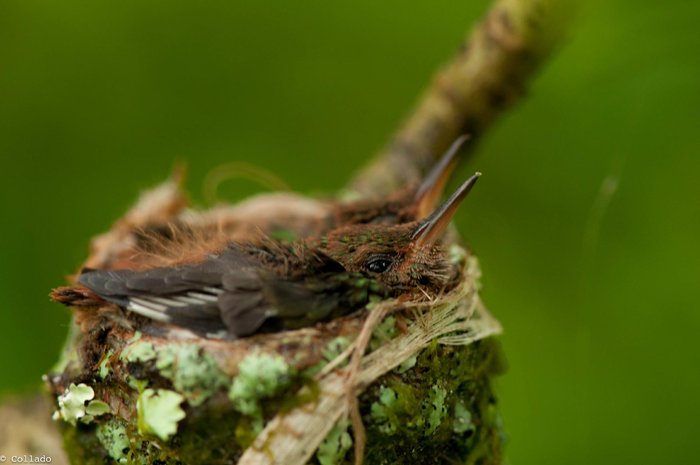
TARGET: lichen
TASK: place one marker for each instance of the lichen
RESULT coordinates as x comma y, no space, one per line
436,408
138,351
113,437
335,347
259,376
462,419
384,332
381,410
159,412
335,446
194,374
71,404
406,365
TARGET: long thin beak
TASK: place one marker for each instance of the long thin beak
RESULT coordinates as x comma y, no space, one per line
435,225
430,190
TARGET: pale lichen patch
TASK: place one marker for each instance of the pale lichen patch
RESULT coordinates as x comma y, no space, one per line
194,373
462,419
436,408
159,412
71,404
139,351
113,437
335,446
259,376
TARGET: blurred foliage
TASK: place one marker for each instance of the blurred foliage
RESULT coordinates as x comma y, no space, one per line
597,292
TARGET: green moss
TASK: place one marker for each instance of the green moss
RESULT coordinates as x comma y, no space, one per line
194,374
440,411
82,445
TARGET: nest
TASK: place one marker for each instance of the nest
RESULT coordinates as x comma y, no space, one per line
416,374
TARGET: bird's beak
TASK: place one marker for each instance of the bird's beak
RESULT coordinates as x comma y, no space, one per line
430,190
435,225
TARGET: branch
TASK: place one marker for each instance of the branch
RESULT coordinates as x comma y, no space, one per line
489,73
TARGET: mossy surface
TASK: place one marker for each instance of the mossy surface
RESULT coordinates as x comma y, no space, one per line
437,407
440,411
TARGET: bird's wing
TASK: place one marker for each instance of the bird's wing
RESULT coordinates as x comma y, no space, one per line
187,295
230,293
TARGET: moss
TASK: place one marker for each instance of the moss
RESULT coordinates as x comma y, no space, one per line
82,445
438,411
436,408
209,436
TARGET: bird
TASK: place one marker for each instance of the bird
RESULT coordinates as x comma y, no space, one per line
291,218
252,287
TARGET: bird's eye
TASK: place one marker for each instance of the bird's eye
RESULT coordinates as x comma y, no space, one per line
379,264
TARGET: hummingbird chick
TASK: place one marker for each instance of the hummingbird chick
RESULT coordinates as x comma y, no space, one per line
265,216
274,285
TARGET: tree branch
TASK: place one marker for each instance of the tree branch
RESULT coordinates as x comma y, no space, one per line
489,73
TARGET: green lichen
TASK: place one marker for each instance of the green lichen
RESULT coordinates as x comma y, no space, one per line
159,412
259,376
97,408
71,404
462,419
194,373
335,347
139,351
436,408
384,332
335,446
406,365
381,410
113,437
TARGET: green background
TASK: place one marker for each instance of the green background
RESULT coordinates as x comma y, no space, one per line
598,293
